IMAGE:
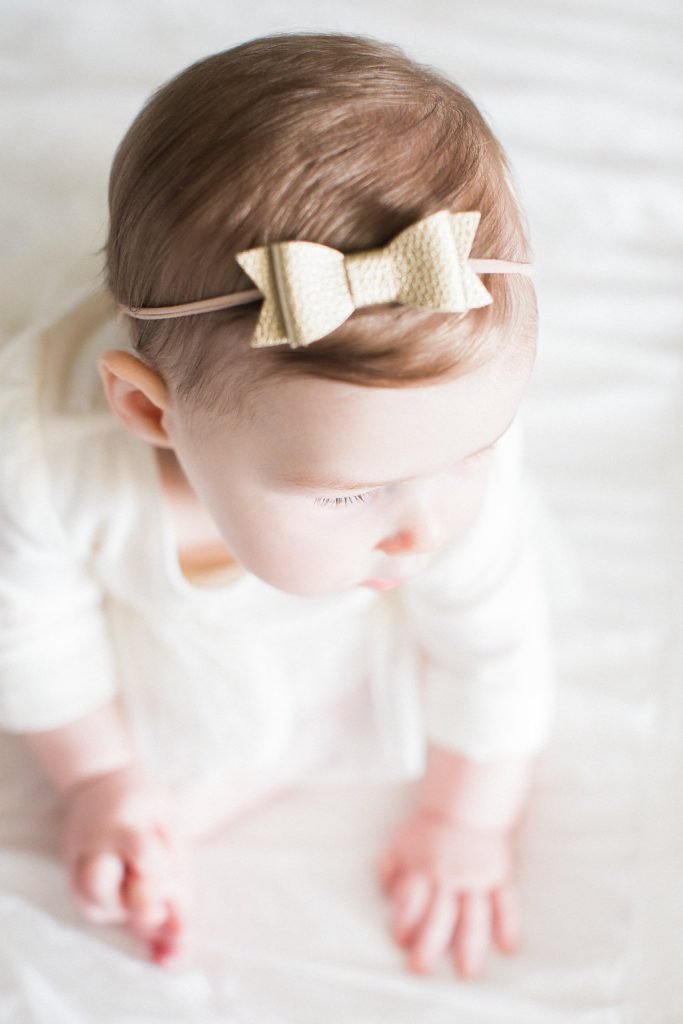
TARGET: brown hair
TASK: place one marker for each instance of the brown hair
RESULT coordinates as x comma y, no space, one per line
334,138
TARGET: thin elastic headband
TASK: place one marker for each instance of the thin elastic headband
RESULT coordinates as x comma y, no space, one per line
309,289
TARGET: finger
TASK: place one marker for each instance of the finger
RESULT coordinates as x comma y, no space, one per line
506,918
434,934
96,880
148,880
159,906
161,928
387,867
145,852
410,897
145,903
472,935
162,914
168,945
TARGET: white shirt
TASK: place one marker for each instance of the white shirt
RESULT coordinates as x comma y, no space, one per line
231,680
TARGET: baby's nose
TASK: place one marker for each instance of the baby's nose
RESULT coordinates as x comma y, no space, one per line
421,523
423,540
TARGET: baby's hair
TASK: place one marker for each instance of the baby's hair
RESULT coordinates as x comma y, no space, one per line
326,137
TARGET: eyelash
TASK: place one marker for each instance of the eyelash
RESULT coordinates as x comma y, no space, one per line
346,499
349,499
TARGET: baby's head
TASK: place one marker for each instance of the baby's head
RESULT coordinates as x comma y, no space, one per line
341,140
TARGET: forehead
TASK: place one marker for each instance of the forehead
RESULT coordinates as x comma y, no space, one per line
305,426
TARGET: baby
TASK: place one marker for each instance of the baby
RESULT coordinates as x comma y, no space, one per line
226,525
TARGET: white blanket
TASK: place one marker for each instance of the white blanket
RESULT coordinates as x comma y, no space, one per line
587,98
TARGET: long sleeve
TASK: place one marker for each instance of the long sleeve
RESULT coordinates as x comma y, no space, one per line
56,663
478,617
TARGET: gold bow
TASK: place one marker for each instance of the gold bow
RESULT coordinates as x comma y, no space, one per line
310,289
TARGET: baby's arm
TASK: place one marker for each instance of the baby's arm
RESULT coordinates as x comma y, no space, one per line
448,870
57,662
479,617
127,861
91,746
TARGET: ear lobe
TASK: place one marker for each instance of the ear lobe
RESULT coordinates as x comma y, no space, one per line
137,395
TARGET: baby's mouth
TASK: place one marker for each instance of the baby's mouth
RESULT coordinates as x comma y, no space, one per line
380,584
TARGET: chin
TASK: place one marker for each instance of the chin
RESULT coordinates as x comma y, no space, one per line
306,590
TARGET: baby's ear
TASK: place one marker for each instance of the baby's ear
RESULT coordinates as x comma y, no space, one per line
137,395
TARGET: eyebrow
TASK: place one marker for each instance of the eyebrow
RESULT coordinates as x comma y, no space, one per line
334,484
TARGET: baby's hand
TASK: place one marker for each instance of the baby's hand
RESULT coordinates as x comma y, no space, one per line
450,889
128,859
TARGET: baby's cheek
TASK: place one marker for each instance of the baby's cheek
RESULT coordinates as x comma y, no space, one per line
303,562
466,499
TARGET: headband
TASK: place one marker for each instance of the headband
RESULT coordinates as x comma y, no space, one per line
310,289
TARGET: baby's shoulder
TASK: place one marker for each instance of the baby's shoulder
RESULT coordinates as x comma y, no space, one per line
22,490
51,403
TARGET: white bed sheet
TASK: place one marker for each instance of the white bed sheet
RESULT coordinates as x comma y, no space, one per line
587,97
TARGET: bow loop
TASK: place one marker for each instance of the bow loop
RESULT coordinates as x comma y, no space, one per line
310,289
